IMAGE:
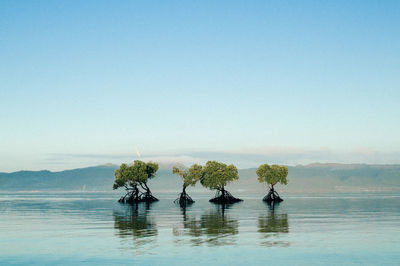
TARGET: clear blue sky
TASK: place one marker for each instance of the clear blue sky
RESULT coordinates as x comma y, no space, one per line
93,79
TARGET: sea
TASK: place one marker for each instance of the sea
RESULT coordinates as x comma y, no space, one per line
92,228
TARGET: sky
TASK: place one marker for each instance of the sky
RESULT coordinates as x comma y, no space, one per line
292,82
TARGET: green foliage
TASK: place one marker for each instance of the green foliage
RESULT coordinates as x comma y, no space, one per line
151,169
216,175
196,172
189,176
139,172
121,176
272,174
180,171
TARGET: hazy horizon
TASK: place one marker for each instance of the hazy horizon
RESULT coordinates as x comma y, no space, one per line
164,164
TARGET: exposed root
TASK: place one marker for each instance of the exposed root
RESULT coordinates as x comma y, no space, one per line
148,197
224,197
131,199
132,196
272,197
184,199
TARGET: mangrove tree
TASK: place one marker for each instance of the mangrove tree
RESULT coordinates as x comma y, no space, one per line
134,176
272,175
215,176
190,177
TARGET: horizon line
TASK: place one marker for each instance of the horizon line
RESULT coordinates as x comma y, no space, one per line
289,165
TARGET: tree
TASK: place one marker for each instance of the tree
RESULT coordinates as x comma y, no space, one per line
272,175
190,177
151,169
125,177
130,177
216,175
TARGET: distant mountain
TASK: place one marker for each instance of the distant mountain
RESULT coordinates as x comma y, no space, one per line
90,178
332,177
308,178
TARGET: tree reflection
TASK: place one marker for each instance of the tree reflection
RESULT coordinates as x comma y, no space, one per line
135,222
217,223
213,227
191,225
272,226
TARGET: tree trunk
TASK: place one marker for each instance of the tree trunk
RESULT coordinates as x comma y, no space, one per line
132,195
184,198
147,197
148,192
272,196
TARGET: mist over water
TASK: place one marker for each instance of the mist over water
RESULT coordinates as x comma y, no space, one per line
92,228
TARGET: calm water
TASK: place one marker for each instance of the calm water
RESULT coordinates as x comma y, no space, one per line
92,228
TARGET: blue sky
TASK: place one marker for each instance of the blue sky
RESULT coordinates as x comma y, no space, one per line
85,82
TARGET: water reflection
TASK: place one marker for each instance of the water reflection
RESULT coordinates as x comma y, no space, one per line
213,227
191,225
98,229
272,205
273,226
135,222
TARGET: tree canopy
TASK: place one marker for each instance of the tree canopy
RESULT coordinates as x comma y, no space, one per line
272,174
122,175
138,172
189,176
216,175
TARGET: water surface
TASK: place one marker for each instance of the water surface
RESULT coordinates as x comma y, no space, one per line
92,228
